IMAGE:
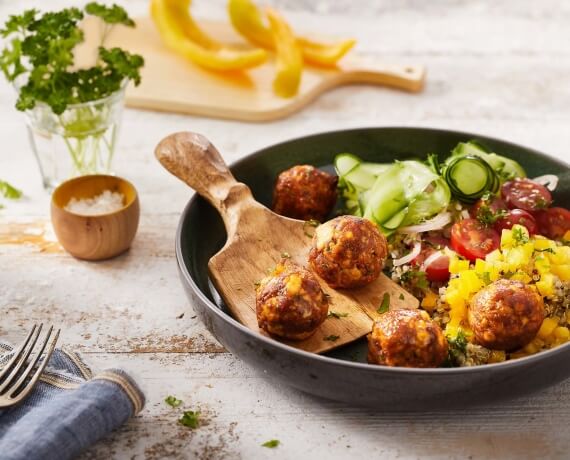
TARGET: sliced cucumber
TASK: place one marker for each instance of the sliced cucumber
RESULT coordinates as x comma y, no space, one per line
505,168
345,162
469,177
375,168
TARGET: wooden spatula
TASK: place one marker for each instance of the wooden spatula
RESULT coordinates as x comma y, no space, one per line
257,238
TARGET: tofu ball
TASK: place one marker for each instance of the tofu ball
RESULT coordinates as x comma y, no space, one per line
348,252
305,192
505,315
406,338
290,302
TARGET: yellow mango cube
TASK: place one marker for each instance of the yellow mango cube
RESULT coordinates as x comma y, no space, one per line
562,271
429,302
546,284
457,265
562,333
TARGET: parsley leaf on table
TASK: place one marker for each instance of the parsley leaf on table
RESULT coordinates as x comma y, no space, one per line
190,418
272,444
9,191
173,401
385,305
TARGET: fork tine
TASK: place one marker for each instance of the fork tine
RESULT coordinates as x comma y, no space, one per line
22,361
28,387
17,354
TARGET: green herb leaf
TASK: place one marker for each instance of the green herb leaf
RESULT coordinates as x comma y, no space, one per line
9,191
190,418
385,305
550,250
485,277
457,348
173,401
401,296
310,223
334,314
520,234
272,444
415,278
331,338
42,47
285,255
114,14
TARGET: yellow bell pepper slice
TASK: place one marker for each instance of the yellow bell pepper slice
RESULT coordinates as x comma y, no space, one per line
324,54
248,21
289,59
175,27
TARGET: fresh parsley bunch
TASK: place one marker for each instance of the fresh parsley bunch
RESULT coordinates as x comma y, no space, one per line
41,48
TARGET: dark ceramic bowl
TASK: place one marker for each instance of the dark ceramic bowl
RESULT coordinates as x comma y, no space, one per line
343,374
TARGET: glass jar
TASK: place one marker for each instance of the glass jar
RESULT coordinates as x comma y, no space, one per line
79,141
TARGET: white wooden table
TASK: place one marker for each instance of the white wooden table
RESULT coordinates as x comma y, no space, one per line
497,68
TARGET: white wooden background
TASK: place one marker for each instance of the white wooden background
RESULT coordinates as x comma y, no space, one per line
496,68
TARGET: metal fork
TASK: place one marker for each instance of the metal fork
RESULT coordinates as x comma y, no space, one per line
16,384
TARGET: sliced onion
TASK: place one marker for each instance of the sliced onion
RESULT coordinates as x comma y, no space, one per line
550,181
438,222
415,252
432,257
465,214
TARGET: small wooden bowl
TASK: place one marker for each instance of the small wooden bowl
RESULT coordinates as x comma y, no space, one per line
95,237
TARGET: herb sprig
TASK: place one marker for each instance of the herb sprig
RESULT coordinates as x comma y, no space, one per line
40,48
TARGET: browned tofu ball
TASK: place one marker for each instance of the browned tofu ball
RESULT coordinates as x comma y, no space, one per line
348,252
406,338
505,315
290,302
304,192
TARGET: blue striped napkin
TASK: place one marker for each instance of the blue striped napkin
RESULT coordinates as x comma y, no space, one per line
68,410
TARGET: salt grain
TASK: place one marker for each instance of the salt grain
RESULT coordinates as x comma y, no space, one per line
105,203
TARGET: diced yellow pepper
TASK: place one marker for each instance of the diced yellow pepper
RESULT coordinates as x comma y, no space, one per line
560,255
521,276
540,243
178,32
457,265
507,240
480,266
470,282
494,256
562,333
562,271
547,328
546,285
430,300
289,59
542,264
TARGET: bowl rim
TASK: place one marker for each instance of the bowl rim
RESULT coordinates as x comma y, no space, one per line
92,176
327,360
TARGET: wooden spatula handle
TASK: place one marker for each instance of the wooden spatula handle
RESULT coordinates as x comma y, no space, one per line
193,159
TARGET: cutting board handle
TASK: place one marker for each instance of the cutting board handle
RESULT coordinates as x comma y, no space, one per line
364,69
193,159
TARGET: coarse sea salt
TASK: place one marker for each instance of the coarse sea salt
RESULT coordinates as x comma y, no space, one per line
105,203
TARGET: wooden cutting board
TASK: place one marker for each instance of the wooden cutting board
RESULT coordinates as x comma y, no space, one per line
173,84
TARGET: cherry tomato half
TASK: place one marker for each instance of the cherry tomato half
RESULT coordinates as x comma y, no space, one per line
473,240
525,194
553,223
517,216
438,267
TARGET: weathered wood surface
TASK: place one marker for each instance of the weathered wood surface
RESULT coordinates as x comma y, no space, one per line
497,68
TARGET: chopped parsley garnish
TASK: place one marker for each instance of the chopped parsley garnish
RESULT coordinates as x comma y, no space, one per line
190,418
173,401
401,296
335,314
416,278
457,348
550,250
332,338
285,255
520,235
486,215
385,305
272,444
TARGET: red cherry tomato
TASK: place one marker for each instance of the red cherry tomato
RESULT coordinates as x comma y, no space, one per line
553,223
525,194
473,240
491,206
438,268
517,216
